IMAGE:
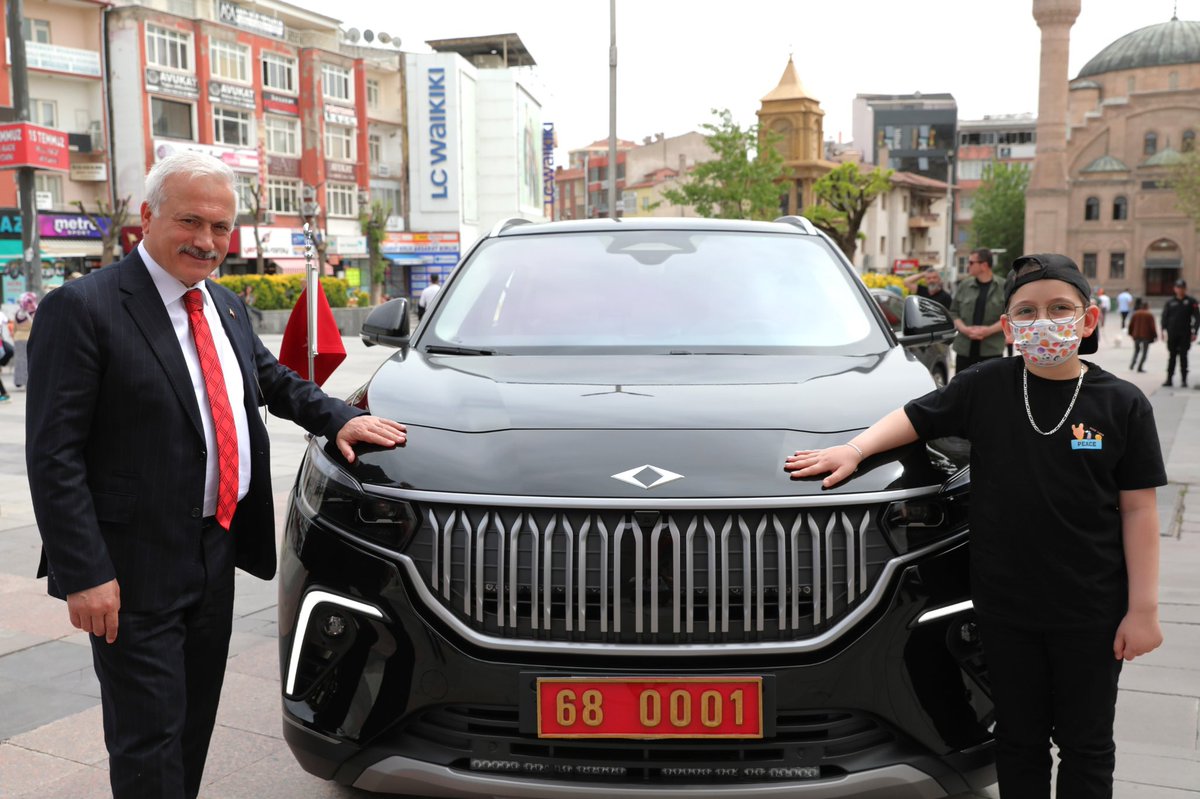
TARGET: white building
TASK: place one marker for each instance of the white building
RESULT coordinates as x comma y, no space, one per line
905,228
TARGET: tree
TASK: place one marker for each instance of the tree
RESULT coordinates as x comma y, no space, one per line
740,183
108,219
257,211
998,213
1185,180
843,196
374,226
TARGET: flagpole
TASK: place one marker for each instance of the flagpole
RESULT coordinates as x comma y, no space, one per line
311,280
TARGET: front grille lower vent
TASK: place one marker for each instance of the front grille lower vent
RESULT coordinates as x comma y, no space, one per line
649,577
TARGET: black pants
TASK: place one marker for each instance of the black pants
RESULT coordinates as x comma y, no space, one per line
1176,349
967,361
1141,347
1060,685
160,681
1124,318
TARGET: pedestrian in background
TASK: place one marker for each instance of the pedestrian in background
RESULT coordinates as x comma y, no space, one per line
1143,331
149,469
980,300
928,284
427,295
1105,303
27,306
1124,306
1065,463
7,350
1180,321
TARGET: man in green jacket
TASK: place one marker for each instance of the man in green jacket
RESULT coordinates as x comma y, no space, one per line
976,308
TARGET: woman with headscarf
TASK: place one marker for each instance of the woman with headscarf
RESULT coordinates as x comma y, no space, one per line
22,324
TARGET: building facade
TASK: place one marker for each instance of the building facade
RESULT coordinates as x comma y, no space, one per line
1002,138
907,132
1102,195
795,120
905,228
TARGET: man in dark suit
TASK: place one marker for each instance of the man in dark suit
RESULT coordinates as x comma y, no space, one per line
149,468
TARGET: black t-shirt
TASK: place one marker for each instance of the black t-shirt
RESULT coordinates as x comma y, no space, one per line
1046,544
940,296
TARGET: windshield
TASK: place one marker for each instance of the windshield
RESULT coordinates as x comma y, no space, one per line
670,291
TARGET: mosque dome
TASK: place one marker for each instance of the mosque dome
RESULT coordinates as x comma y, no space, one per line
1173,42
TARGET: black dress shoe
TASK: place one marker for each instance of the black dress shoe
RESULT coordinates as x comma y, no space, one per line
1168,384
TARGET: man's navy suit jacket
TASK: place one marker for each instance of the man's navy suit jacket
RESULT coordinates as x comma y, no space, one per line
115,449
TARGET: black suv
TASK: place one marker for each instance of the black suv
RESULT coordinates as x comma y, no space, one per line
587,573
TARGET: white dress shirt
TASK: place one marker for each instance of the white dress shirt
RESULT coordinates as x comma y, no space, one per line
172,290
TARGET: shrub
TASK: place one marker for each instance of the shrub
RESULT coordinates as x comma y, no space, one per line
875,280
280,292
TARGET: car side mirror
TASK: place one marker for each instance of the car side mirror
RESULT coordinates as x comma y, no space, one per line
925,321
387,324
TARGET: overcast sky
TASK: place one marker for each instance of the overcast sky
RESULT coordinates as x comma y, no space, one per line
677,60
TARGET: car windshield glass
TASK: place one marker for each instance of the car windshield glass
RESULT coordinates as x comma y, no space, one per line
678,291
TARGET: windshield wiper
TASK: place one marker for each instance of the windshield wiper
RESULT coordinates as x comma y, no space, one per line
438,349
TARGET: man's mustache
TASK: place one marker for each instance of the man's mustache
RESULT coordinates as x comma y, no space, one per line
208,255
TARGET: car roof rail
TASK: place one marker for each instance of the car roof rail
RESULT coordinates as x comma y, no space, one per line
505,224
800,222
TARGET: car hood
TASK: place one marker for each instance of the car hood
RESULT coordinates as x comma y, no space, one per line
642,428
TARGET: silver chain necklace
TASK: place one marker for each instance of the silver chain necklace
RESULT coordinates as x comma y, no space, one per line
1029,413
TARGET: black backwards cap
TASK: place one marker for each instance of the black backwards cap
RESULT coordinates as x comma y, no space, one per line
1051,266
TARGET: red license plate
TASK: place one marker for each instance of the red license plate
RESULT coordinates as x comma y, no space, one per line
661,707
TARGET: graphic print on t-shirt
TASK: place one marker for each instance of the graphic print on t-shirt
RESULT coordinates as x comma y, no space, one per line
1086,437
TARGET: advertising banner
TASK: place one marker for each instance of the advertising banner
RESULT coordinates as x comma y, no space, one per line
23,144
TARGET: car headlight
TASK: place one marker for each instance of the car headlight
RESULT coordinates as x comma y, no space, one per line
327,492
914,523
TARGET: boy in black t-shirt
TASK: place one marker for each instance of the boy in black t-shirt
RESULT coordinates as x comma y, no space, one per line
1064,527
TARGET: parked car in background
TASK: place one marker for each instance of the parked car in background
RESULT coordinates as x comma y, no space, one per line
587,574
935,355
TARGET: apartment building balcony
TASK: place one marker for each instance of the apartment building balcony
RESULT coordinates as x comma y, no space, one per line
386,169
927,256
921,221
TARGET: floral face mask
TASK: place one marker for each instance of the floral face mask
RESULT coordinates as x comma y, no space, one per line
1047,342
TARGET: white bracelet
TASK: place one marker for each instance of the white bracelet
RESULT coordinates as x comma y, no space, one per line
856,449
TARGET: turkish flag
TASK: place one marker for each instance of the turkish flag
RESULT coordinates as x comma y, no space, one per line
293,352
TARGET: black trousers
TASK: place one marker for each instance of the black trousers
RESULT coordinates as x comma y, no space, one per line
160,681
1177,349
1060,685
1141,348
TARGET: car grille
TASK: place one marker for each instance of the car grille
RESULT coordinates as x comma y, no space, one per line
649,577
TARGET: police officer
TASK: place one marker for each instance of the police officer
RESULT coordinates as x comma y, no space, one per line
1180,321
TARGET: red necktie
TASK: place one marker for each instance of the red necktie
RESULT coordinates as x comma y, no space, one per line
218,403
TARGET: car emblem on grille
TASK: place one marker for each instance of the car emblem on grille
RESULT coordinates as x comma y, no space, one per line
647,476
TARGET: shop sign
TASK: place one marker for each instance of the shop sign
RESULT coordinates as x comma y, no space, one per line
23,144
54,58
348,245
421,243
239,159
281,103
548,169
176,84
89,172
339,170
247,19
340,116
283,167
277,242
231,94
70,226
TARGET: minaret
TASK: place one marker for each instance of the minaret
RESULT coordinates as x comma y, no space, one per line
1046,204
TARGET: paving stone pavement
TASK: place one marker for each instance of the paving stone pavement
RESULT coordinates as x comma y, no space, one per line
51,743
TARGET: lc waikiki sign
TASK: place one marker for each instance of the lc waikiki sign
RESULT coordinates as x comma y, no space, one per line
438,139
23,144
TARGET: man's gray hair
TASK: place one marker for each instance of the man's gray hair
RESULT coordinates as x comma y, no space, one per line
189,163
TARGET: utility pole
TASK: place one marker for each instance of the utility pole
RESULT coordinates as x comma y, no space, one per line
612,109
30,247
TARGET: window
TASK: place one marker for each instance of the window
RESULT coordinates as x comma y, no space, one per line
283,196
283,135
336,81
341,199
279,72
1116,265
1150,143
49,184
883,245
374,148
1189,140
1089,264
169,49
230,61
43,112
36,30
388,196
372,93
231,127
1091,209
246,186
1120,208
171,119
883,201
339,142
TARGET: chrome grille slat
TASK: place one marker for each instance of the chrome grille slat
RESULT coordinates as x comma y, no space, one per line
536,572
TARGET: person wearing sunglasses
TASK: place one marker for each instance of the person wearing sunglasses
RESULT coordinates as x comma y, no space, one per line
1065,464
977,305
